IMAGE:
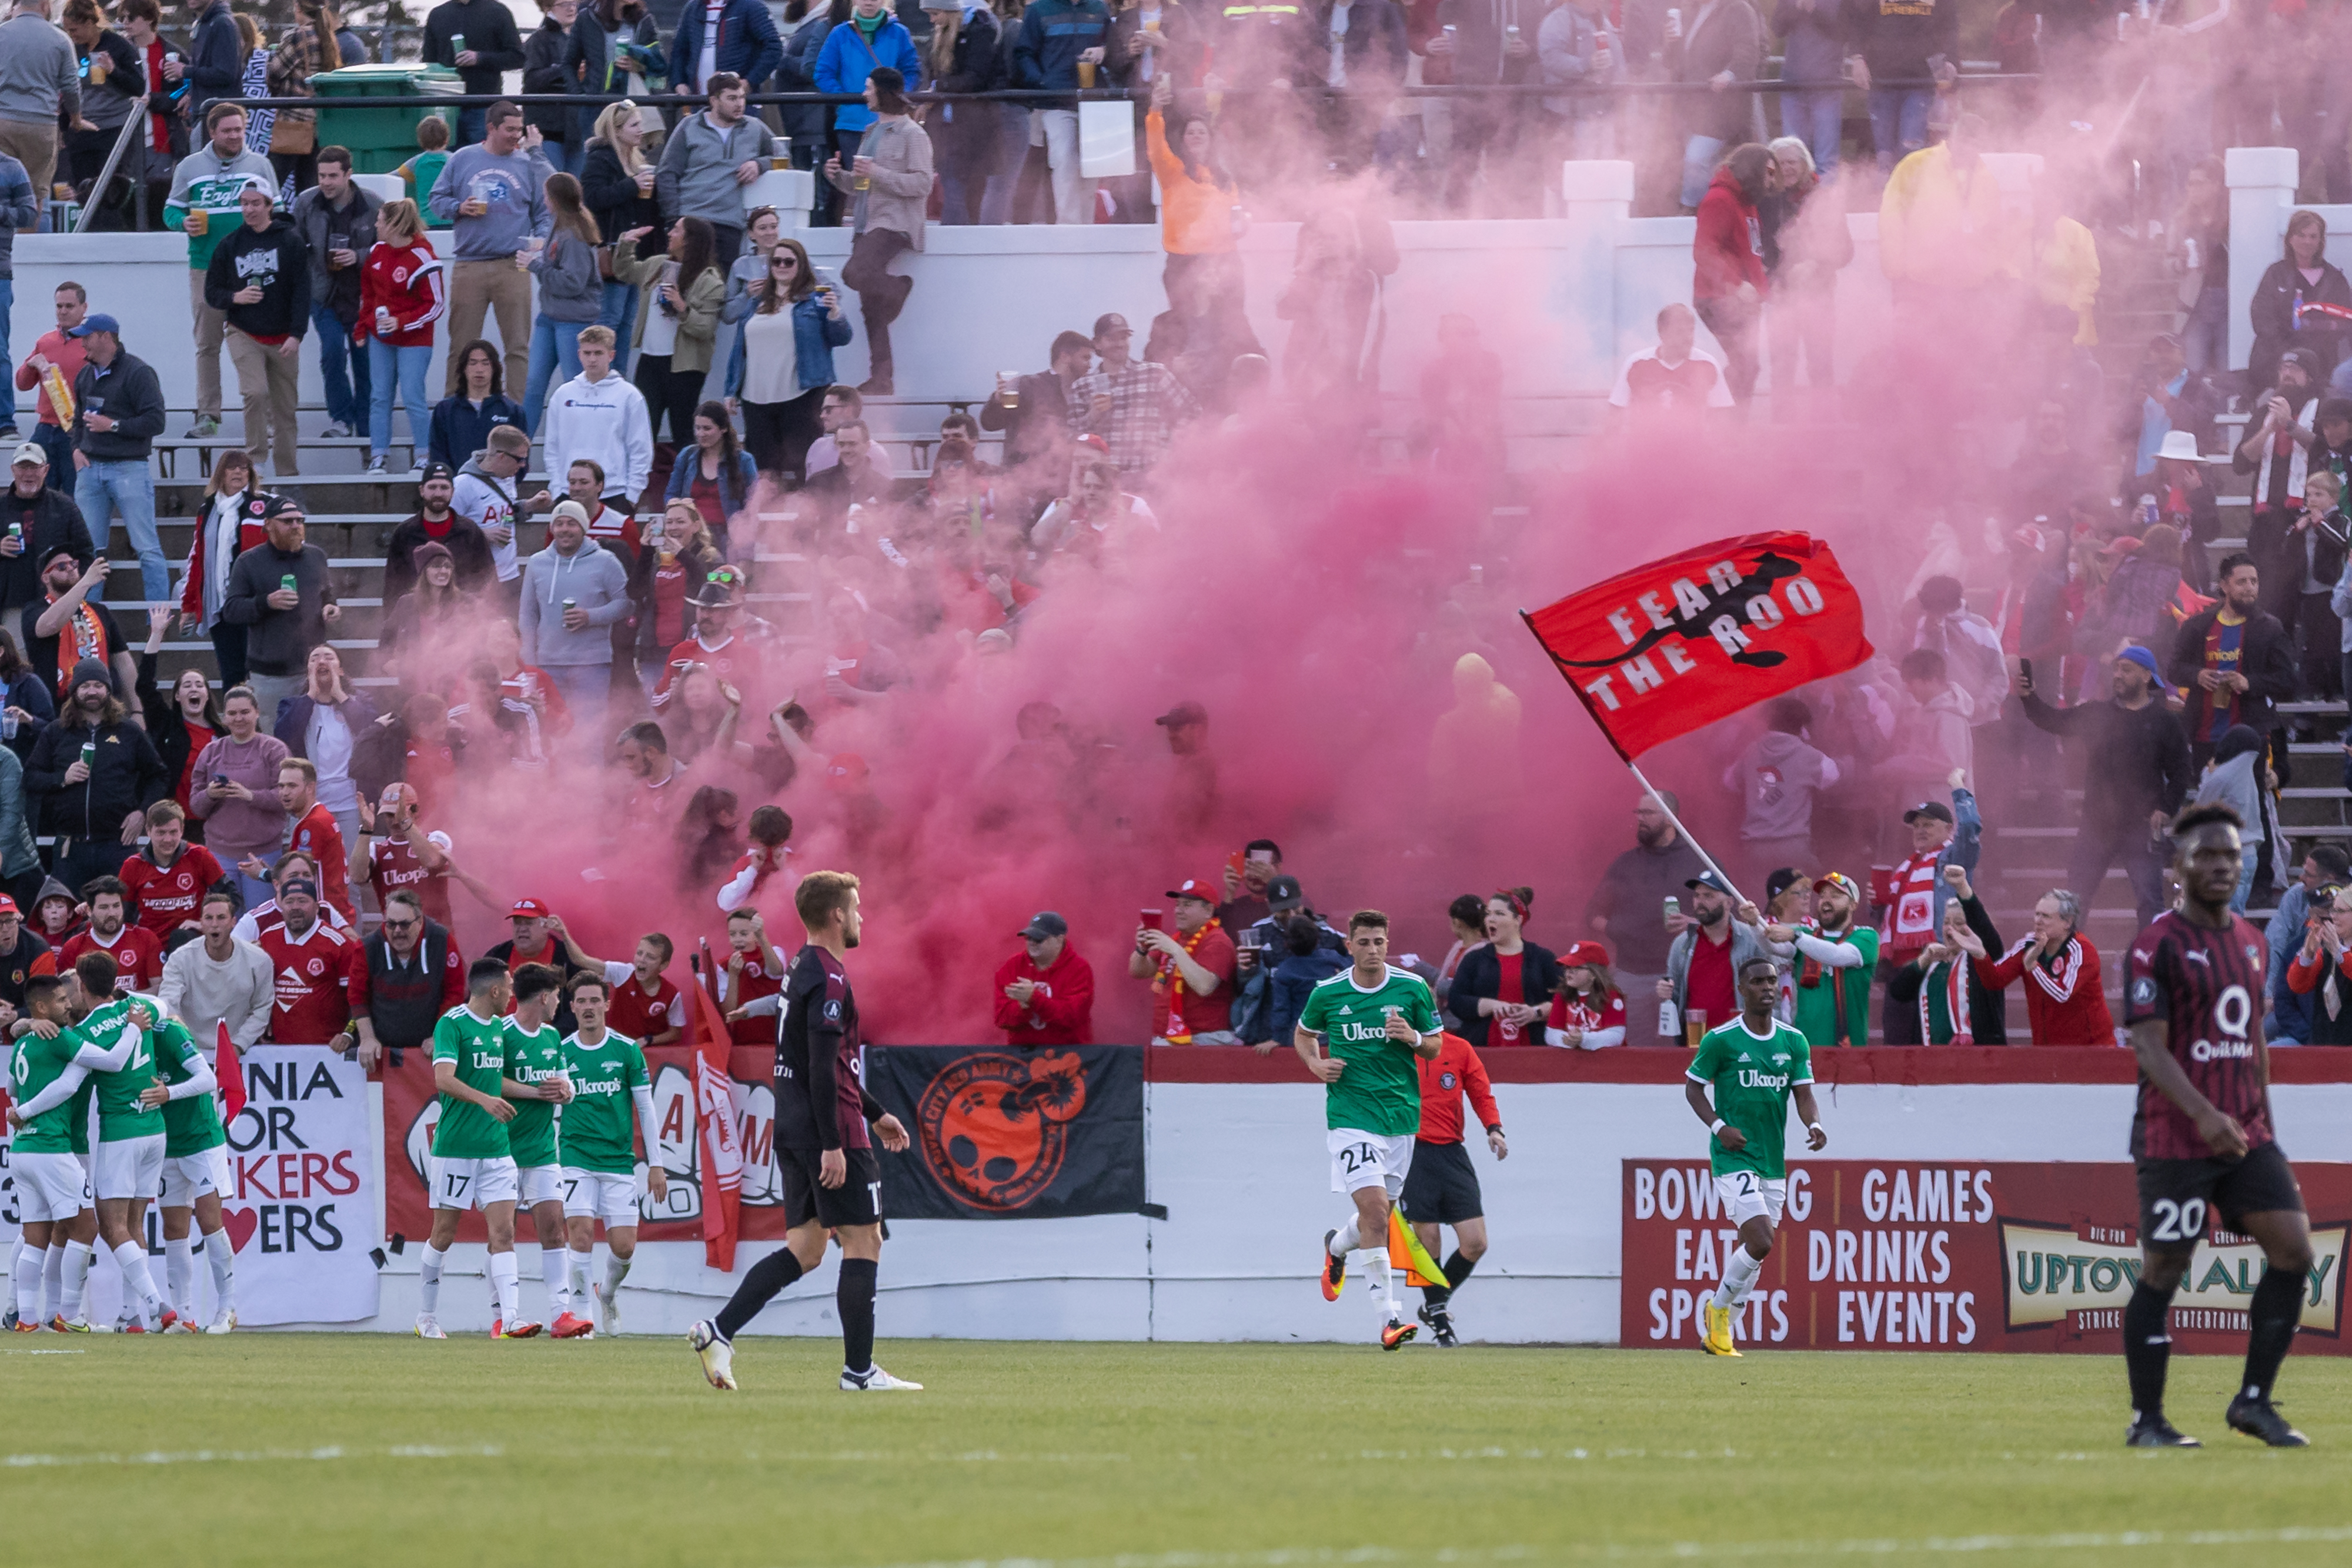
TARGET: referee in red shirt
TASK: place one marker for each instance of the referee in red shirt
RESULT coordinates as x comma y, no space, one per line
1440,1188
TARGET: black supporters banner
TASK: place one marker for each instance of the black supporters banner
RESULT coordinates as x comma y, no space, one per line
1002,1134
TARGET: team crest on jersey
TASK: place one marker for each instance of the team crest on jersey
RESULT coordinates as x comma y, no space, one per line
1447,1081
2143,991
318,967
993,1128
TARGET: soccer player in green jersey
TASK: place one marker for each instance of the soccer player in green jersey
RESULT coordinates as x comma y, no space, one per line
48,1069
128,1168
1754,1064
609,1083
535,1059
473,1165
1376,1019
195,1174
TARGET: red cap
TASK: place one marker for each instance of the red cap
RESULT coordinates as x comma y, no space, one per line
1208,889
528,908
845,771
8,906
1583,952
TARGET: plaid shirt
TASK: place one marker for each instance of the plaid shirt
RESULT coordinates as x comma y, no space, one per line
1147,403
292,64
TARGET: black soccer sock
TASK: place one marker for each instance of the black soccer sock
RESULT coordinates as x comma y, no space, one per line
2271,1322
853,1297
1435,1296
760,1286
1457,1269
2147,1347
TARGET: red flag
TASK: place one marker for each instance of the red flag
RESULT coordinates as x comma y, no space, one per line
231,1074
714,1124
1672,646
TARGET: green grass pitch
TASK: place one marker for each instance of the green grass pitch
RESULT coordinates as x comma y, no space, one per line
283,1449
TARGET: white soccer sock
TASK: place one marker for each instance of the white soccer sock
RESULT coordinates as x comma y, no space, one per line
428,1274
222,1255
131,1259
53,1271
617,1269
29,1259
555,1269
77,1275
1346,1240
1738,1278
506,1279
583,1265
180,1274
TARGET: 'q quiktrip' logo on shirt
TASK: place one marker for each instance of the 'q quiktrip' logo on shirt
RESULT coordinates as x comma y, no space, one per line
993,1127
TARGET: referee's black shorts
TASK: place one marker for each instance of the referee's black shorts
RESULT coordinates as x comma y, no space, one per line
856,1201
1440,1188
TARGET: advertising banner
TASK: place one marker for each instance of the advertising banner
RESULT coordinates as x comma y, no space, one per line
1011,1135
1904,1255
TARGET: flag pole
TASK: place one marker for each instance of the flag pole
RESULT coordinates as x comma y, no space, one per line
1737,898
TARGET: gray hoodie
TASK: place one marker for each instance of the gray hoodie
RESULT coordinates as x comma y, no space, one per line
570,287
696,178
593,578
512,187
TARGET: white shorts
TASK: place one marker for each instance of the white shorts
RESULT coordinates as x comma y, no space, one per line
608,1196
50,1187
541,1184
473,1184
130,1168
1362,1159
188,1177
1745,1196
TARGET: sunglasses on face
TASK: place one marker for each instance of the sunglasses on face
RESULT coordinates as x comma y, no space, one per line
790,261
400,925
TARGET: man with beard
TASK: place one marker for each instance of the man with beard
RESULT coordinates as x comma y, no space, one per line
1703,964
2233,661
1835,958
2138,775
95,774
312,962
1625,906
137,952
68,624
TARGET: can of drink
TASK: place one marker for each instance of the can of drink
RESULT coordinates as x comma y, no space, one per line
571,604
2190,245
89,753
16,532
456,44
287,581
1673,908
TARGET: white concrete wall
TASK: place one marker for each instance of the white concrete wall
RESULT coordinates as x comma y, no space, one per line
1243,1173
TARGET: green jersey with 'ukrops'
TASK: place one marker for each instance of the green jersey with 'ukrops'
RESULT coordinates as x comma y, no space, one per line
478,1046
33,1066
1379,1091
531,1059
599,1120
120,1114
191,1124
1753,1076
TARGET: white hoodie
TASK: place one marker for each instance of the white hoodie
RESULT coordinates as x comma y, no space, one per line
604,421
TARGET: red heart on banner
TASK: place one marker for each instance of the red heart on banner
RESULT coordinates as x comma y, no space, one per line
240,1224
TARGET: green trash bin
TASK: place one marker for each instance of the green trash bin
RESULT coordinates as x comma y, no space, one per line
381,139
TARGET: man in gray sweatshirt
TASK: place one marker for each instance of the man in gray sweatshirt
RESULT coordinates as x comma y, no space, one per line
40,79
492,193
708,160
573,592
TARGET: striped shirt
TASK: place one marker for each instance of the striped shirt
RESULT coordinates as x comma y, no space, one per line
2207,984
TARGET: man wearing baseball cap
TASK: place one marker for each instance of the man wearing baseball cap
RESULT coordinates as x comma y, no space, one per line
2140,774
1045,992
39,516
1703,962
540,938
1835,955
281,591
1134,405
1191,967
118,415
436,521
1913,891
22,954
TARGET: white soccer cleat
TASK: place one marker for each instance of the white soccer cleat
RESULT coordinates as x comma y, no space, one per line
227,1324
608,1311
717,1355
876,1381
427,1326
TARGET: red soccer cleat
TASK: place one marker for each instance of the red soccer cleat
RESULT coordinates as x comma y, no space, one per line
569,1325
502,1330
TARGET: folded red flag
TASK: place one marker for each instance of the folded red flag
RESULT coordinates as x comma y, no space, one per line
1671,647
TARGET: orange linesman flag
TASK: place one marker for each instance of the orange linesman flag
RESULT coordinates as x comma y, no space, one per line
1658,652
1406,1252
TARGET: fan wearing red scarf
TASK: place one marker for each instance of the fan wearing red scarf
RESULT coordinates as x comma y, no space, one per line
1191,967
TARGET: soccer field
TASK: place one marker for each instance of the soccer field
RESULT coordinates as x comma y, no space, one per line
306,1448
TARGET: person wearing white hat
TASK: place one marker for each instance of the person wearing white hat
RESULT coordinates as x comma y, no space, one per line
2186,498
573,592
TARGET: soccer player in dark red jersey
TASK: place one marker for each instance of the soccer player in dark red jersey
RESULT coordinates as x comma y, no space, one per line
1440,1186
2202,1138
824,1151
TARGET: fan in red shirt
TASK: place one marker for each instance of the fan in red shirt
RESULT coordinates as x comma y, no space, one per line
720,641
292,866
1046,993
1588,1011
1440,1186
399,857
169,878
647,1005
311,961
754,970
2065,1001
314,831
138,952
1191,967
659,794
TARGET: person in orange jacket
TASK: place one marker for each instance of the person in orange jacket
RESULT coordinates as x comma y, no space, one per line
1440,1188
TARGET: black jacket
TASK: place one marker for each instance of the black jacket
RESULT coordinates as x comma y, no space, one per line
166,731
2271,310
277,260
1039,428
587,61
51,523
128,392
469,552
1987,1008
966,140
1898,42
542,71
125,776
2266,657
404,1003
1480,974
489,32
2139,756
612,196
278,641
700,564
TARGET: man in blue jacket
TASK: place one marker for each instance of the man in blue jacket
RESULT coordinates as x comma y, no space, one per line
1058,37
216,59
871,37
748,45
